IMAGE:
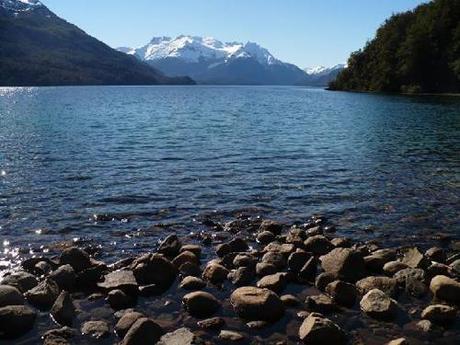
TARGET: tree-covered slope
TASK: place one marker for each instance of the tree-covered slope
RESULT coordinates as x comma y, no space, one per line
413,52
39,48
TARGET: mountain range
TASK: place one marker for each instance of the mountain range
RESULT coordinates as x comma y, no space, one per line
39,48
210,61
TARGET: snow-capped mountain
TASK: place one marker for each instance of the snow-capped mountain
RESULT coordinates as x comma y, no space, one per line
321,70
20,5
322,76
209,60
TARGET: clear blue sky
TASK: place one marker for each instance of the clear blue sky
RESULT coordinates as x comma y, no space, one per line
304,32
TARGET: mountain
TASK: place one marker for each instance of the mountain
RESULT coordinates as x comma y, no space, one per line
413,52
210,61
322,76
39,48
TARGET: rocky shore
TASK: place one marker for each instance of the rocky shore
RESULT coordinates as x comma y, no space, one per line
248,281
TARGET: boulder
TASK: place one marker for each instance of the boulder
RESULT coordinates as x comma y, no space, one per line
271,226
43,295
154,269
120,280
10,295
63,310
290,300
455,266
323,279
392,267
385,284
59,336
276,259
413,281
64,277
126,321
75,257
16,320
436,254
170,246
308,272
282,248
182,336
321,304
265,237
238,245
378,305
265,269
189,269
184,257
345,263
439,314
223,249
142,331
194,248
215,273
318,330
255,304
21,280
379,258
192,283
297,260
244,260
318,245
445,289
241,276
413,258
342,293
276,282
119,300
201,304
96,329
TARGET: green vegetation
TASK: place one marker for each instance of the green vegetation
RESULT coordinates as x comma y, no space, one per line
39,48
413,52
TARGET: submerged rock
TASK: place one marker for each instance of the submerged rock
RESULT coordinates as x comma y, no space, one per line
255,304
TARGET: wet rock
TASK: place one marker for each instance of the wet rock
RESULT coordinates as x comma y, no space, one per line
265,237
378,305
385,284
119,300
64,277
399,341
30,264
276,259
212,323
63,310
345,263
230,336
414,258
189,269
143,330
297,260
290,300
43,267
241,276
192,283
296,236
238,245
323,279
308,271
201,304
341,242
455,266
89,277
321,304
439,314
413,281
318,330
256,304
271,226
126,321
436,254
437,269
393,267
43,295
379,258
426,326
445,289
244,260
154,269
342,293
170,246
284,249
21,280
223,249
194,248
59,336
16,320
75,257
10,295
55,340
264,269
257,324
215,273
276,282
182,336
318,245
185,257
120,280
96,329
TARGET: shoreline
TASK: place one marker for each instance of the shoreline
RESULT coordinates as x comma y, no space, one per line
423,94
247,280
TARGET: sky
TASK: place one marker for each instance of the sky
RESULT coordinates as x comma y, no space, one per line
304,32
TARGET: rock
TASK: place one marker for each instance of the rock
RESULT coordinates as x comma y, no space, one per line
184,257
265,237
64,277
296,236
271,226
88,278
189,269
318,245
321,304
345,263
9,295
182,336
392,267
120,280
119,300
201,304
318,330
215,273
323,279
455,266
297,260
413,281
290,300
150,290
192,283
223,249
425,326
16,320
377,260
59,336
55,340
238,245
385,284
170,246
75,257
194,248
439,314
43,295
154,269
96,329
43,267
342,293
275,258
230,336
378,305
399,341
265,269
63,310
244,260
126,321
445,289
437,269
276,282
436,254
212,323
241,276
308,271
341,242
143,331
21,280
284,249
414,258
256,304
257,324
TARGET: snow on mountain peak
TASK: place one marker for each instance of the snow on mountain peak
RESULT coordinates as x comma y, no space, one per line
20,5
321,70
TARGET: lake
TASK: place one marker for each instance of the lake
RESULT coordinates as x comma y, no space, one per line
377,165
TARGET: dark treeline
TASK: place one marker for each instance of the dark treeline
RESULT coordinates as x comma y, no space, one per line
413,52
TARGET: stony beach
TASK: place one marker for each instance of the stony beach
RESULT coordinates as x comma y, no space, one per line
247,281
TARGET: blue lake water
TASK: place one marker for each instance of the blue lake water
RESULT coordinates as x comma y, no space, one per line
377,165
